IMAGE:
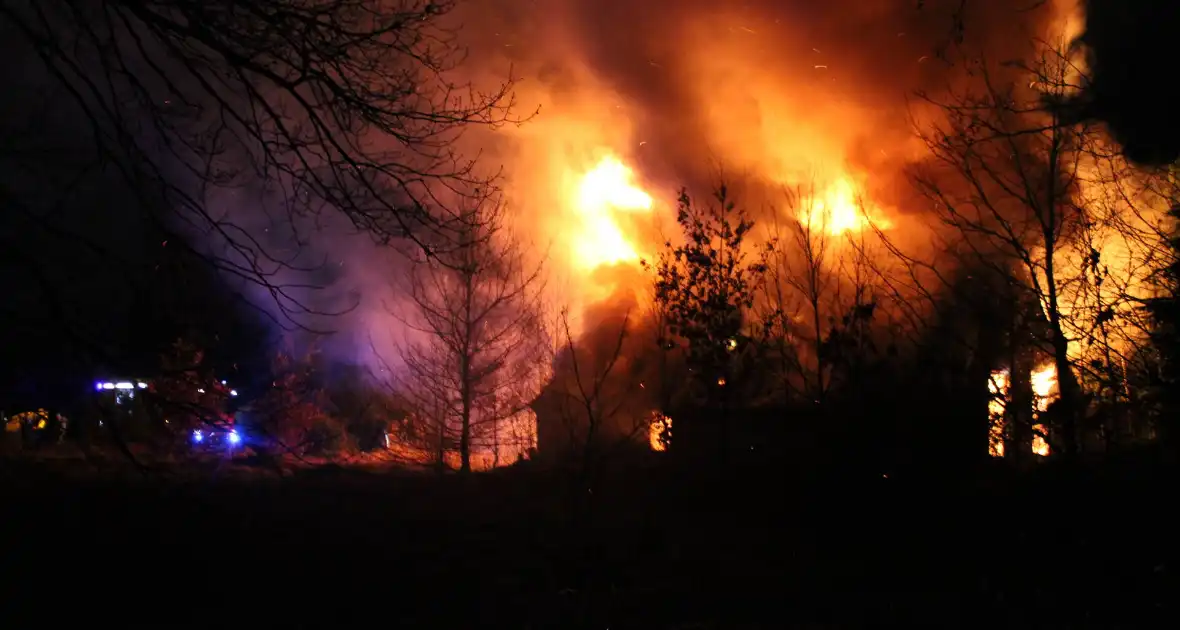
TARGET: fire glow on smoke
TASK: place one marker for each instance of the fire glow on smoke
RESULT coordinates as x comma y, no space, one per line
795,105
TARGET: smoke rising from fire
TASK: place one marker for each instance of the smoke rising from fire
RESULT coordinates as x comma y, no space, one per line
680,92
766,94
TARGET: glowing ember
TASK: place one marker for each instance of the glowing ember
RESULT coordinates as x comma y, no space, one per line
657,434
603,192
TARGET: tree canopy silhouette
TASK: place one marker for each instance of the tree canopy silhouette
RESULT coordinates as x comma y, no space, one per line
197,126
705,286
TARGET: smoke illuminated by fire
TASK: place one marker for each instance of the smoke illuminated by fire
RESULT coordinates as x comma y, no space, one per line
638,99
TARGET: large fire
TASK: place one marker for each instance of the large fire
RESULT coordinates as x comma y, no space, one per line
602,193
638,99
606,195
840,209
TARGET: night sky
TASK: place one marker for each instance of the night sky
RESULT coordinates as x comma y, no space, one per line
1132,67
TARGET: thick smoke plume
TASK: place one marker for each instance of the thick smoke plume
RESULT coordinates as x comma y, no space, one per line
756,87
773,94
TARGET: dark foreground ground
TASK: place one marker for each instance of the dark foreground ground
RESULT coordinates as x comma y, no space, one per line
651,548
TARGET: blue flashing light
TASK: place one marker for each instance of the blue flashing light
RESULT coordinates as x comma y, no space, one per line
234,438
198,436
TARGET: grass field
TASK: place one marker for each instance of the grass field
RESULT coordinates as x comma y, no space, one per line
650,547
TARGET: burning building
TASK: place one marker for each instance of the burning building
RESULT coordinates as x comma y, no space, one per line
802,108
606,383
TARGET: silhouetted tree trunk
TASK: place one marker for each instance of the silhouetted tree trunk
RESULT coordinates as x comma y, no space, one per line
591,394
1008,177
1019,410
976,393
705,287
474,341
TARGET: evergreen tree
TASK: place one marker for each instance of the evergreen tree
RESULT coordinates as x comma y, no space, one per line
705,286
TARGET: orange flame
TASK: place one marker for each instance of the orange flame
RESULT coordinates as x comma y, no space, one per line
602,193
840,209
1044,386
657,430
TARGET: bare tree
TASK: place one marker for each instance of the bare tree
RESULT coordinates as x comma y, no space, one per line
599,397
1017,190
339,108
348,104
1005,184
797,279
1121,253
477,344
820,286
